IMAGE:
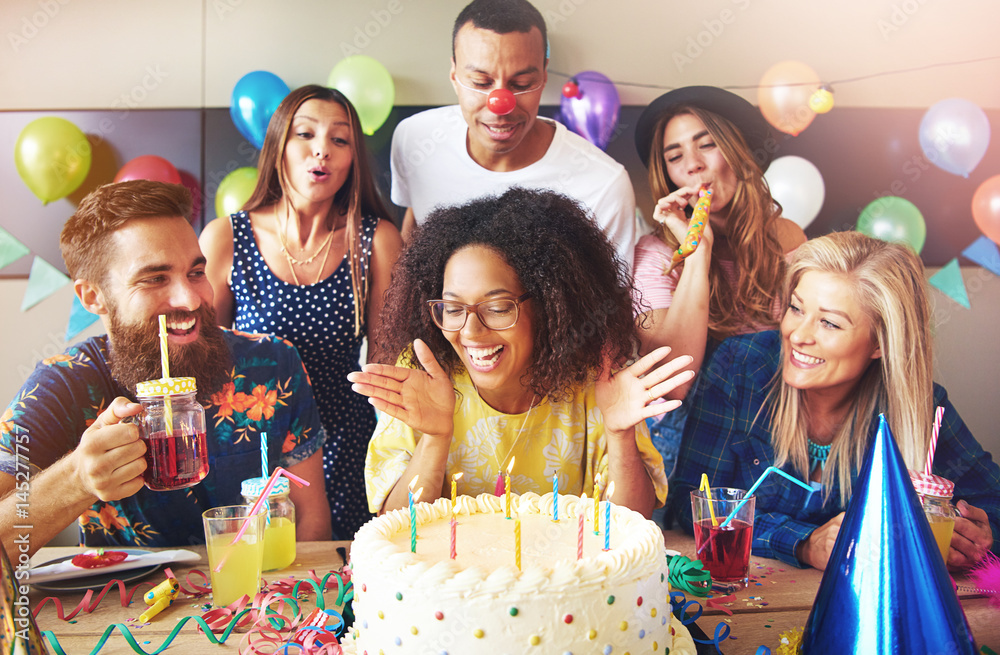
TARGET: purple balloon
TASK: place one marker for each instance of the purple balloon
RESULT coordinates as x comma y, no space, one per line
593,114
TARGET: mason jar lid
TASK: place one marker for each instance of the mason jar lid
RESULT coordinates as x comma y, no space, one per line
932,485
166,387
253,487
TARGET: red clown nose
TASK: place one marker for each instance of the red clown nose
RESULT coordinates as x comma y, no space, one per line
501,102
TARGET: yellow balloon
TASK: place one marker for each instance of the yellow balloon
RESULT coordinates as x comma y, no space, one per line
53,157
234,190
783,96
368,85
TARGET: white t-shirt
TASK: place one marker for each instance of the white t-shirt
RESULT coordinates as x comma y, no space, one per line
432,167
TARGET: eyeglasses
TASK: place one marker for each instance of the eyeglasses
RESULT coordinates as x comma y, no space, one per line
499,314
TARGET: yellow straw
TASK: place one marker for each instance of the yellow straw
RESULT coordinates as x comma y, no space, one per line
168,412
707,488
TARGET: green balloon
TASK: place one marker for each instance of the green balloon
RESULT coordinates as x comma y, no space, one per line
368,85
894,219
53,157
234,190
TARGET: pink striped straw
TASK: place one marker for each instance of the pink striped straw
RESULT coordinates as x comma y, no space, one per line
938,417
278,471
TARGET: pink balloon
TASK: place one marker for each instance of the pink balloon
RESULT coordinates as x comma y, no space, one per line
194,187
986,208
149,167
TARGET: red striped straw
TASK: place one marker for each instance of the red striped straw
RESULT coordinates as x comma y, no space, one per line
938,417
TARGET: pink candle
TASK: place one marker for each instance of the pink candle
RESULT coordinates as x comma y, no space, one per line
507,487
454,525
579,531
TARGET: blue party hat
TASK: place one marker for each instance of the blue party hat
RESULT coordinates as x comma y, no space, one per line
885,589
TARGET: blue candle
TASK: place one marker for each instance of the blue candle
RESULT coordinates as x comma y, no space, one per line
555,498
607,516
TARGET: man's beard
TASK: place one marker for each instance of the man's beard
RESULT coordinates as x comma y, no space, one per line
135,353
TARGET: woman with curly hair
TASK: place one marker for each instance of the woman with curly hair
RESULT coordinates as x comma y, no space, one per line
514,321
695,138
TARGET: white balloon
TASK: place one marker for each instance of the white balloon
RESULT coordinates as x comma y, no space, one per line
798,185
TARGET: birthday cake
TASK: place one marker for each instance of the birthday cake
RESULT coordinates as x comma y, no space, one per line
487,600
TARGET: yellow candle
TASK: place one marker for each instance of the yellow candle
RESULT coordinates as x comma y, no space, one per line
454,490
506,486
517,542
597,506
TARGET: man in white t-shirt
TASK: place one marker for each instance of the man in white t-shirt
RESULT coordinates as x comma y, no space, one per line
493,139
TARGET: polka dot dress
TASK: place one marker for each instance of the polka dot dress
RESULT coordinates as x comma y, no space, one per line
319,320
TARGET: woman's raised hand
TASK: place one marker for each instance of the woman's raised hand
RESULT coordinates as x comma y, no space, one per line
424,400
669,211
627,396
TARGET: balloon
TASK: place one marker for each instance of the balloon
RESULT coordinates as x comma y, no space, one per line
593,112
53,157
149,167
892,218
255,97
234,190
954,135
192,185
986,208
798,185
784,93
368,85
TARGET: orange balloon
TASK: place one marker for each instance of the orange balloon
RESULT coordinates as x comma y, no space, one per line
986,208
784,95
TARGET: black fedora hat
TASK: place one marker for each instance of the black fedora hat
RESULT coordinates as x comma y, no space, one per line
730,106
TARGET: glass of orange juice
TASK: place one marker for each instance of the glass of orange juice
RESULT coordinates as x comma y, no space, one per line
935,495
235,566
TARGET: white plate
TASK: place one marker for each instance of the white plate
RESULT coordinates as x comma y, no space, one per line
99,578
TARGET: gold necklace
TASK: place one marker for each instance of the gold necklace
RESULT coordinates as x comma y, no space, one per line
292,262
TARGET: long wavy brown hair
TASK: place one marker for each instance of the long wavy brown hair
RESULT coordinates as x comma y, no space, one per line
357,197
750,229
580,289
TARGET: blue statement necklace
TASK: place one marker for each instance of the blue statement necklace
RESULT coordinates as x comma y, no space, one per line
818,455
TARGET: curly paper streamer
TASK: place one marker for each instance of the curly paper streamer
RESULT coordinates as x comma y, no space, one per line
719,603
678,601
762,650
688,576
195,590
85,604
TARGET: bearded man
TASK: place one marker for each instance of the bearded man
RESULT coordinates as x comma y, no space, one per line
69,449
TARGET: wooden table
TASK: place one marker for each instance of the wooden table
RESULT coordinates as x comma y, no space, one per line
778,599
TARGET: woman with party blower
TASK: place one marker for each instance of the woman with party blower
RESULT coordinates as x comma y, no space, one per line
697,141
854,342
308,259
513,317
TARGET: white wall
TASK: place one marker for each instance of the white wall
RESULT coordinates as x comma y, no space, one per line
105,54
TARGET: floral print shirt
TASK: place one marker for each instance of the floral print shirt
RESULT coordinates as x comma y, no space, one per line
269,392
566,439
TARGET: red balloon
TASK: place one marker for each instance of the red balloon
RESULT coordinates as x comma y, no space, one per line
501,101
986,208
149,167
571,89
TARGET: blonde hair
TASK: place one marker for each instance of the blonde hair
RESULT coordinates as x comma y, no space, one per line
750,227
888,282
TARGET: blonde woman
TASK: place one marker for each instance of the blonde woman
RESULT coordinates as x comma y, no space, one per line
854,342
308,259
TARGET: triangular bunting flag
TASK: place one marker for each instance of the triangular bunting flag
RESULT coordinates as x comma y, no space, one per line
886,589
79,319
44,280
985,253
11,249
949,281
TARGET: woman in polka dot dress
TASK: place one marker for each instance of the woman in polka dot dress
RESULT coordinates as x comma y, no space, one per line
308,259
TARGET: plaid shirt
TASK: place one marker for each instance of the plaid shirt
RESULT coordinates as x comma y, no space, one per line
723,439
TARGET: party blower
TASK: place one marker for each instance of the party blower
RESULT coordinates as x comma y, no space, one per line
696,228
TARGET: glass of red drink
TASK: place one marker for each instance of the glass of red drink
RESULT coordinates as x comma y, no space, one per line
173,429
724,551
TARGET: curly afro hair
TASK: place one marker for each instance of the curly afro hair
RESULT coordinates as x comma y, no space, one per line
581,290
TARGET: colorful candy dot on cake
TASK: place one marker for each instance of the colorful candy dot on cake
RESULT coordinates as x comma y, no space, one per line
623,626
655,646
652,612
534,640
661,577
513,611
365,587
638,601
663,620
592,634
611,600
398,641
642,634
607,649
413,630
381,615
439,616
478,633
399,596
568,618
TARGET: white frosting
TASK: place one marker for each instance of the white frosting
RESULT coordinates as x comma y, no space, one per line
613,601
